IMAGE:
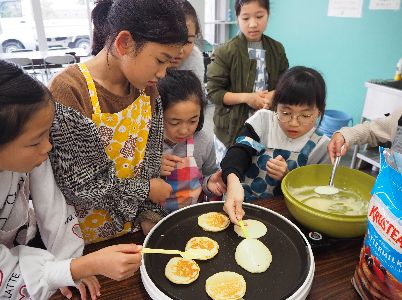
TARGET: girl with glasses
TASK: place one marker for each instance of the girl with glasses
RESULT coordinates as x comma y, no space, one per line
272,143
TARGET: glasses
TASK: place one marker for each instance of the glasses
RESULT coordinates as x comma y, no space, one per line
303,119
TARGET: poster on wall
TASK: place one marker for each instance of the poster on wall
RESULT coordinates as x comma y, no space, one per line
385,4
345,8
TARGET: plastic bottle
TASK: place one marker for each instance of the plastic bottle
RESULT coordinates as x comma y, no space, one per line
398,71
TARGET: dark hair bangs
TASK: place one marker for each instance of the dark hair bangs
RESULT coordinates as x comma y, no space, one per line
178,86
298,93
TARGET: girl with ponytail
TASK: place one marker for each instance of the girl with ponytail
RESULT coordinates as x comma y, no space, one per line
108,129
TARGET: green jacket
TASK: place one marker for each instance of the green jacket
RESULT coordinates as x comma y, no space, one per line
231,70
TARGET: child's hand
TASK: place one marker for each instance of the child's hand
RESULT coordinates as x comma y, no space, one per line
334,146
93,286
215,184
277,167
169,162
65,291
268,98
257,100
159,190
234,199
121,261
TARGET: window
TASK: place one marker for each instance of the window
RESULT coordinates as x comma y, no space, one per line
66,24
10,9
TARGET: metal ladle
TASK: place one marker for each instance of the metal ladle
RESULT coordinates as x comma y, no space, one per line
330,189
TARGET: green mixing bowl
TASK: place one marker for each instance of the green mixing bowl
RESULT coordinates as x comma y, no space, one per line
331,224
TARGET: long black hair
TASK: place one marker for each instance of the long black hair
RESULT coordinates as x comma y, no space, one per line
300,86
20,97
240,3
158,21
178,86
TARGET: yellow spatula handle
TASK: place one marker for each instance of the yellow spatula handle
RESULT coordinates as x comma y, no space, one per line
243,228
161,251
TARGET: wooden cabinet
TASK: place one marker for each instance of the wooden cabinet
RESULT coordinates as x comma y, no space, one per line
381,99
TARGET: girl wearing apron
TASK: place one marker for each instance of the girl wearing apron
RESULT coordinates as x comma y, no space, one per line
189,162
107,150
274,142
124,135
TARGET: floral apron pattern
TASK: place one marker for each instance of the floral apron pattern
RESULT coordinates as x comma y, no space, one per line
124,136
186,181
257,182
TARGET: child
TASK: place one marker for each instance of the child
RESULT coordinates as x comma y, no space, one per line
189,161
108,132
26,114
190,57
243,73
374,132
274,142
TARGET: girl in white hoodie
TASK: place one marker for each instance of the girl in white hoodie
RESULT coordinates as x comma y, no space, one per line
26,115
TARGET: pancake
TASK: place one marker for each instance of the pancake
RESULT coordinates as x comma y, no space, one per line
255,229
213,221
203,242
182,271
253,256
226,286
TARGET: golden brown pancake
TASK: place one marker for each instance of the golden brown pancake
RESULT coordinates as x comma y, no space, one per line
203,242
213,221
182,271
226,286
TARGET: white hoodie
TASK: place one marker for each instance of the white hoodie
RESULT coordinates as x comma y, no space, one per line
27,272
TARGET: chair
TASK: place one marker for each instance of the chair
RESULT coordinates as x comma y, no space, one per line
54,64
27,64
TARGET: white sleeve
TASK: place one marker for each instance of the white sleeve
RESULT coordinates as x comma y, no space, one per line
31,272
57,221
